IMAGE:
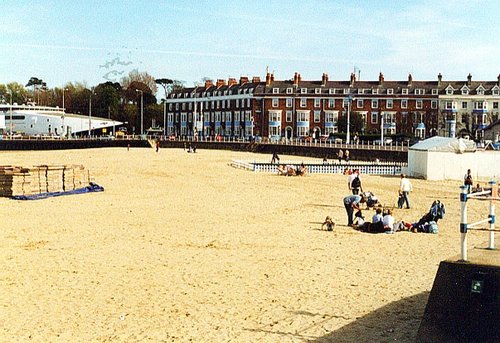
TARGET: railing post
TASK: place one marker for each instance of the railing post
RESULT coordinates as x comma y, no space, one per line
493,195
463,223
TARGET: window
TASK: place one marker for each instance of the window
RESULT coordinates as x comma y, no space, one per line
331,117
389,103
289,102
361,91
190,106
449,91
464,105
331,103
480,91
465,91
404,91
183,117
419,91
345,103
317,102
275,102
275,116
419,104
346,90
183,106
390,91
303,102
375,91
237,101
302,117
248,102
374,118
448,105
404,103
317,90
317,116
177,106
303,90
289,116
289,90
331,91
170,107
302,131
495,91
374,103
434,104
276,90
479,105
434,92
495,105
360,103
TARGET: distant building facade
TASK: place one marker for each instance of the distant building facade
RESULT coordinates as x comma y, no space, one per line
298,108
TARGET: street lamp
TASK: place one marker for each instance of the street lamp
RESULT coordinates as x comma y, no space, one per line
348,136
142,110
164,116
90,110
10,92
63,130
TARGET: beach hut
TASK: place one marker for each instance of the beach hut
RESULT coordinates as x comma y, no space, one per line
441,158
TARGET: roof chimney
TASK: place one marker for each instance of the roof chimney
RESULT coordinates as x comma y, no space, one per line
296,79
440,78
255,79
498,79
243,80
220,83
324,79
268,79
272,77
232,81
380,79
410,79
469,79
353,79
208,83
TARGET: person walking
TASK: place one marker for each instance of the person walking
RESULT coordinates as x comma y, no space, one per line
351,203
468,182
354,182
405,187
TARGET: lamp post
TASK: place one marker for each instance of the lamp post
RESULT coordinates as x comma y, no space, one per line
142,110
90,111
164,116
10,93
64,113
348,136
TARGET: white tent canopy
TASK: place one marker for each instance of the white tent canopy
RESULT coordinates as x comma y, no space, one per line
441,158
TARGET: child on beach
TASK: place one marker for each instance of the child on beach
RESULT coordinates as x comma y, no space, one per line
330,225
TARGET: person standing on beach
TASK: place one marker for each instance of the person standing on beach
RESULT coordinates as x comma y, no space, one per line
347,155
340,155
468,182
351,203
354,182
405,187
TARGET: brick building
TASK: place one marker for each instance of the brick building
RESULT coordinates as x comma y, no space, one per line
298,108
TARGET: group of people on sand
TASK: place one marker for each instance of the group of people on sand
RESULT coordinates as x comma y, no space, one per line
383,219
292,170
343,155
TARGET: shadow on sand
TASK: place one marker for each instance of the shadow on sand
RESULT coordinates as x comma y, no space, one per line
396,322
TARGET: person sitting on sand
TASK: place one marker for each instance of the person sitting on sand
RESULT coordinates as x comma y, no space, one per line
388,221
282,170
377,217
330,225
301,170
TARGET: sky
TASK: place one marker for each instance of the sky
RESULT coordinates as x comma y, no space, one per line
97,41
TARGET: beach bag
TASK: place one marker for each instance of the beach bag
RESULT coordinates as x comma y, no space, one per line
356,183
431,227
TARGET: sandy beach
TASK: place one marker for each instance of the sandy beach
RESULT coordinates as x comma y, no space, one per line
183,247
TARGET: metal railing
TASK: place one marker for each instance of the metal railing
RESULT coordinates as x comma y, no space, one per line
490,195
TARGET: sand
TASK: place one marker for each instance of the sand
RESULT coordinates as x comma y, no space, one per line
183,247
